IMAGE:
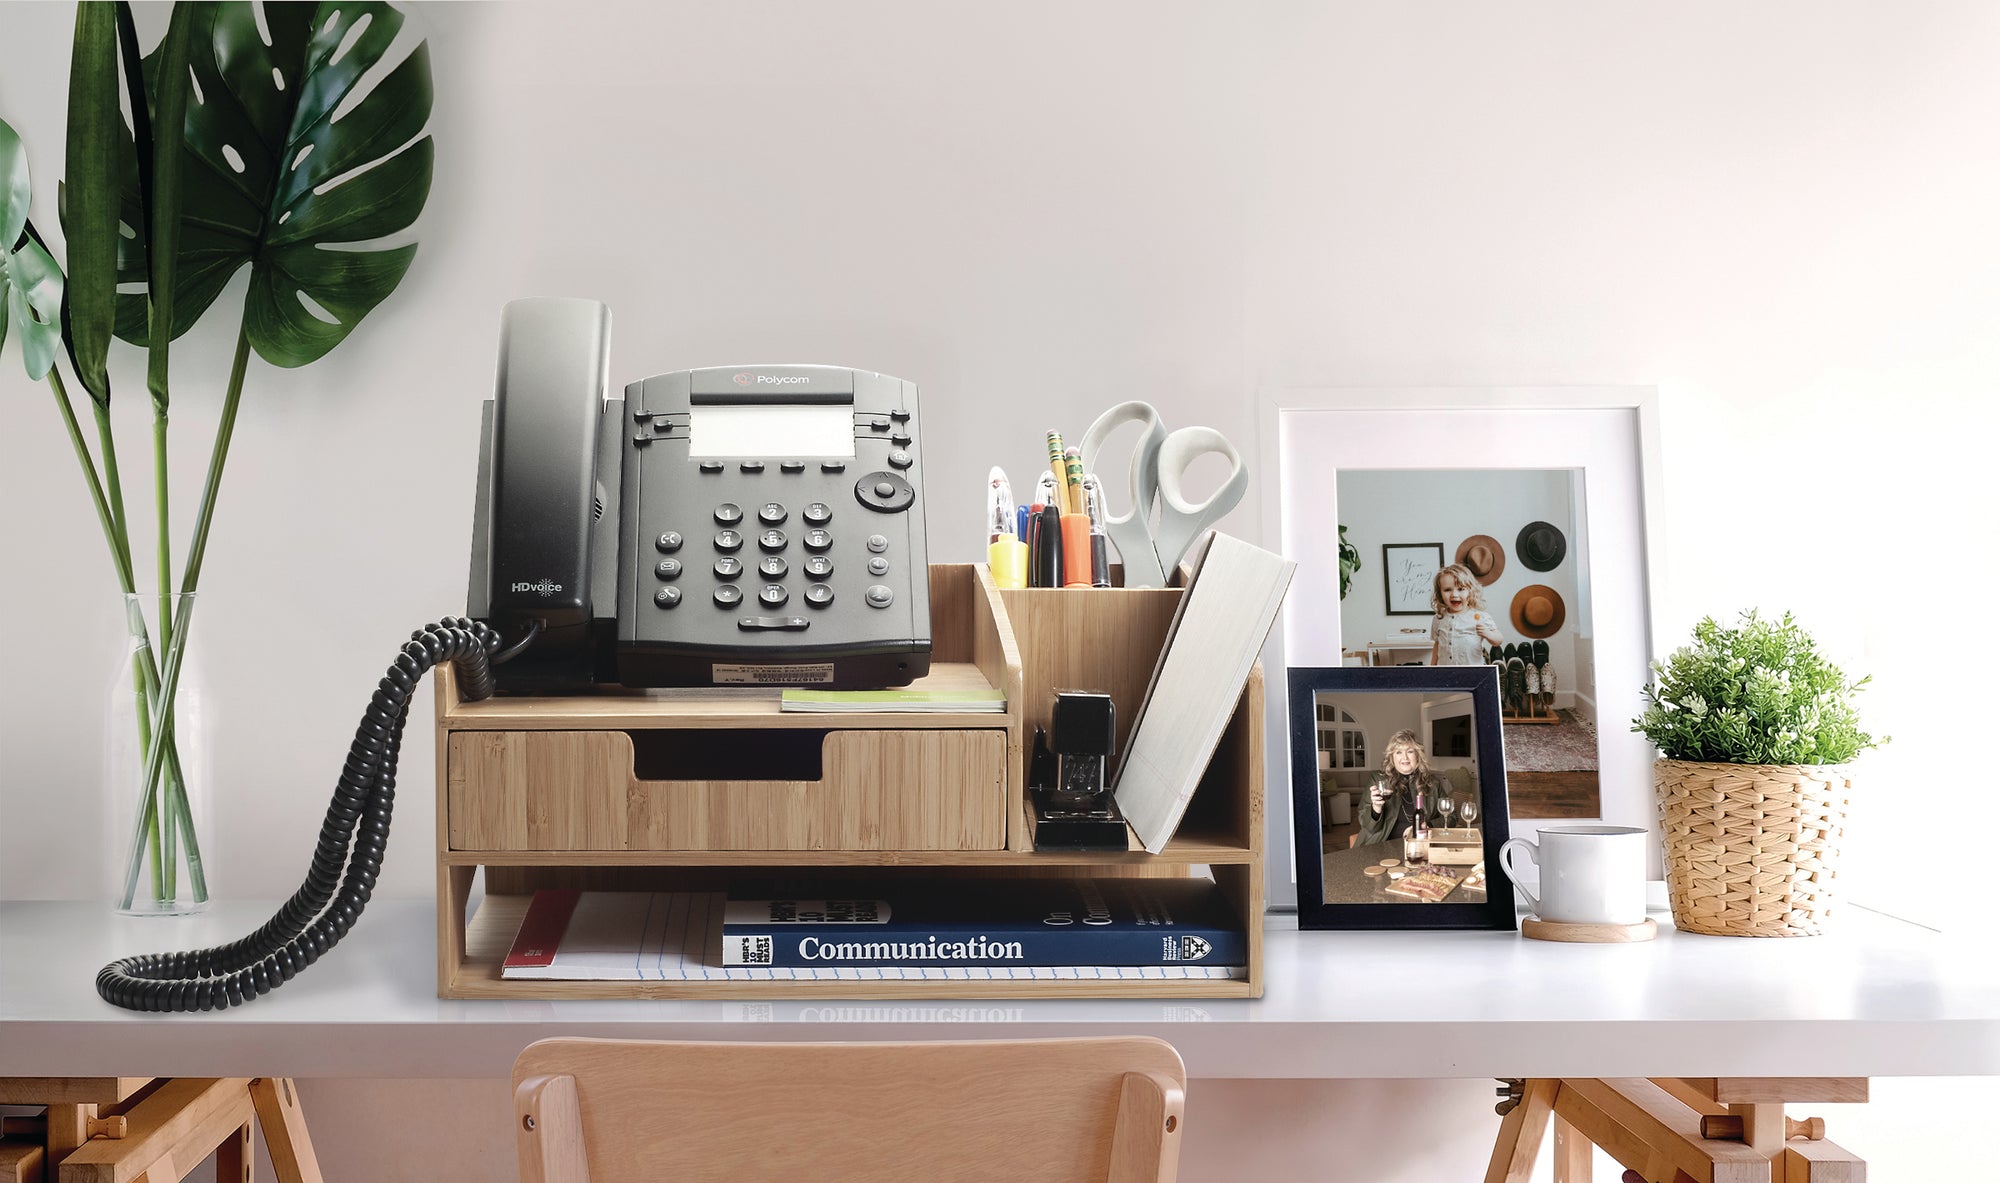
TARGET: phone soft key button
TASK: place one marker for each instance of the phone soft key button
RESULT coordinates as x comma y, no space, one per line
792,466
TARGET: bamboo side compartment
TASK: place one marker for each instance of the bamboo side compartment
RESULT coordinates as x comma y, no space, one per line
556,792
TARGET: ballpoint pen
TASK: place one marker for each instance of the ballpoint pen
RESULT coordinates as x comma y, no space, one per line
1045,530
1100,546
1006,554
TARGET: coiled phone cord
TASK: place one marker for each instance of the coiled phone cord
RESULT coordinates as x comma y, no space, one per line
341,879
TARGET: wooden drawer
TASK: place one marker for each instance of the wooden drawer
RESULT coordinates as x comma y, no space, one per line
876,790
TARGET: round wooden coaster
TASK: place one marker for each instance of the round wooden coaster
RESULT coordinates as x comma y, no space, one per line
1390,862
1538,929
1374,870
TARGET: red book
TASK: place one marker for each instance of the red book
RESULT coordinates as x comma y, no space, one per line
542,929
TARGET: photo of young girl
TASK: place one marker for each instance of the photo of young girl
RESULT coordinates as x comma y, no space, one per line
1462,629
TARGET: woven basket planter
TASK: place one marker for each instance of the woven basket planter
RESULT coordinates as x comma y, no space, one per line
1752,849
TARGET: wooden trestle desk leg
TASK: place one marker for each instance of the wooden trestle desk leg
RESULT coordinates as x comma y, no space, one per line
1707,1130
284,1128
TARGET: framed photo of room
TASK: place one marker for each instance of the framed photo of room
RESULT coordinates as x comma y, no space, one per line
1411,839
1538,499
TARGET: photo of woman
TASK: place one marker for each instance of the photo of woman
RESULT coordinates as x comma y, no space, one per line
1406,786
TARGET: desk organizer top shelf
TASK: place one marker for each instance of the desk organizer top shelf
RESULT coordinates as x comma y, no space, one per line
691,789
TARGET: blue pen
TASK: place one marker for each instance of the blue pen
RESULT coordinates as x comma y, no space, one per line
1021,522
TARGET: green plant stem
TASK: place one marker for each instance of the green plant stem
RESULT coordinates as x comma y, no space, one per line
145,676
168,854
190,580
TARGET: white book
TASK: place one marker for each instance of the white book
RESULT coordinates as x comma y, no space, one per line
1231,602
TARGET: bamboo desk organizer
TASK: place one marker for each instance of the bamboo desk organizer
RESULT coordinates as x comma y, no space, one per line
572,792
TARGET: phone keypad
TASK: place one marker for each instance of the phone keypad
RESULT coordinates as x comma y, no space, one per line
772,567
728,513
728,540
771,514
819,513
772,540
819,595
819,567
728,595
728,567
818,541
773,595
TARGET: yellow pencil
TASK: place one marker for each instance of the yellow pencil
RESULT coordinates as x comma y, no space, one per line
1064,504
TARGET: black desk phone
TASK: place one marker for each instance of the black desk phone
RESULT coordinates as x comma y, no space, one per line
737,525
756,525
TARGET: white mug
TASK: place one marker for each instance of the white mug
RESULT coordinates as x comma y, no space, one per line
1590,874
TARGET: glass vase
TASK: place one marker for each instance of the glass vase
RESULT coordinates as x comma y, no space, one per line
156,764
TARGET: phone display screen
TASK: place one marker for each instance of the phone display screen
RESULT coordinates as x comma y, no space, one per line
782,430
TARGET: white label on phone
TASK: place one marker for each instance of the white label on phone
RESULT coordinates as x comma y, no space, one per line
771,675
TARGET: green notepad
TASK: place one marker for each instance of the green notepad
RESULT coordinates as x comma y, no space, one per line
943,701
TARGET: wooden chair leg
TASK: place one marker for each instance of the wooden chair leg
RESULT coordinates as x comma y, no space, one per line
548,1131
284,1126
1520,1138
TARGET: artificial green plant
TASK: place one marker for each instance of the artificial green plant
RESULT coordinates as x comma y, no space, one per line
276,147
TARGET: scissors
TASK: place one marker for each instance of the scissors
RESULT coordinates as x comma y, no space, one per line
1159,462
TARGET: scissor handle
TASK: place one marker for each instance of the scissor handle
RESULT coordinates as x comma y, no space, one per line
1181,520
1131,532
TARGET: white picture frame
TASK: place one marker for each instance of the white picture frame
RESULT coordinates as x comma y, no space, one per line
1306,435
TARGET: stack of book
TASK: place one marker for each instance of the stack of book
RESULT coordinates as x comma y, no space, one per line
910,929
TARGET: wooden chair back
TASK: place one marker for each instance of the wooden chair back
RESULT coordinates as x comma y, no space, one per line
1098,1110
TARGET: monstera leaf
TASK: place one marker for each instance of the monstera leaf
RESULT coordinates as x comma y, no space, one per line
285,172
31,286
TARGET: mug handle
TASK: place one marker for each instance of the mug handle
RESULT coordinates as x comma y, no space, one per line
1527,850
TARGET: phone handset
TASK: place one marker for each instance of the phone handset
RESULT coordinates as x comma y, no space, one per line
544,488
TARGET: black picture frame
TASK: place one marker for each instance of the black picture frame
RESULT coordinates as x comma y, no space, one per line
1305,686
1389,577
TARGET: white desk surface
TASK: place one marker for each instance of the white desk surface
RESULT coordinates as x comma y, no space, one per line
1881,997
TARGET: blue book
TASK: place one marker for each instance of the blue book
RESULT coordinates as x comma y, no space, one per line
991,922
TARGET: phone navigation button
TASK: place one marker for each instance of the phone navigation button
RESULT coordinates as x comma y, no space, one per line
878,566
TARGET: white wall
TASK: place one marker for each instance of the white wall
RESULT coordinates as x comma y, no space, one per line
1781,215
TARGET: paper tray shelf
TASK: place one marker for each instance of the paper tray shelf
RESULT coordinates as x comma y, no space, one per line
591,792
